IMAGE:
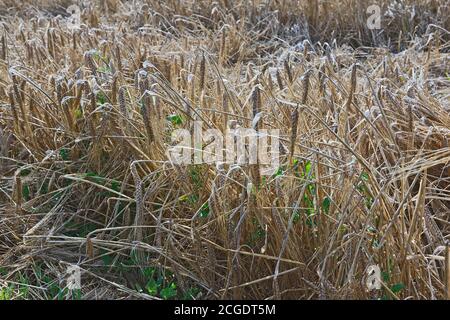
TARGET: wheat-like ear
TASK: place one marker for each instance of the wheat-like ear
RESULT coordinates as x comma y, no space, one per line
257,107
123,109
122,102
89,61
74,40
114,89
18,192
4,47
279,80
12,104
225,110
101,92
50,46
411,127
294,126
270,82
29,52
93,106
295,115
223,43
181,61
67,112
287,69
136,80
256,102
168,70
156,103
322,79
59,92
119,59
61,39
306,87
192,83
345,111
17,94
145,105
202,73
352,88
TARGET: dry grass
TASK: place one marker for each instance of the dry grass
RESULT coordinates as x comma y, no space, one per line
364,176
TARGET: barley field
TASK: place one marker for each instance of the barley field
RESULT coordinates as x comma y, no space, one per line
357,207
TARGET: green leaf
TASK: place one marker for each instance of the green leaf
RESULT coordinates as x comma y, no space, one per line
61,293
138,287
64,154
78,113
308,201
307,168
326,204
193,199
107,259
135,256
23,287
101,98
115,185
195,176
149,272
6,293
152,287
176,119
104,69
25,172
169,292
26,192
279,172
368,202
95,177
76,294
204,210
3,271
44,188
364,176
396,288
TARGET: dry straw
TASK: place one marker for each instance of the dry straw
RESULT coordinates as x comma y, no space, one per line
87,115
